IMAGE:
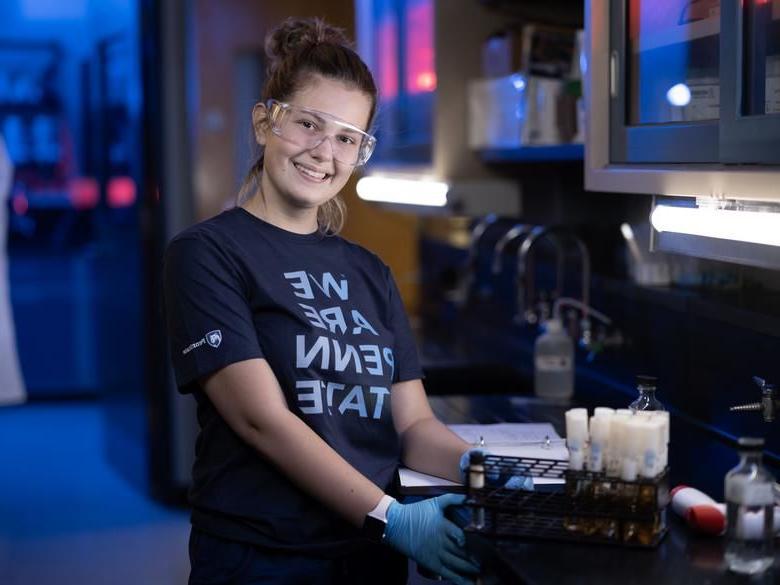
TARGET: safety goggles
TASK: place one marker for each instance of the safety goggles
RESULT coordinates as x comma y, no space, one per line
309,128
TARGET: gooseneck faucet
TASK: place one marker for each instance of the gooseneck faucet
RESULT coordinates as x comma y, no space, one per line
586,337
516,231
469,269
525,276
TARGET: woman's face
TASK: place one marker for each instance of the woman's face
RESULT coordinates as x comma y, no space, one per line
298,179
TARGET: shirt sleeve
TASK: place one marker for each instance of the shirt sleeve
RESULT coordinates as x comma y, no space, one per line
407,361
208,316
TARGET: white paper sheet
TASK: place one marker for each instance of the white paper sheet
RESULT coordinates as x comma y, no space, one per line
512,439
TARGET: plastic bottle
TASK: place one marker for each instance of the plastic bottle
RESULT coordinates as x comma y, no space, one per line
646,386
554,362
748,489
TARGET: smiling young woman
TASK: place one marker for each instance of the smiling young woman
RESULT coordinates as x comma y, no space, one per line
295,344
298,178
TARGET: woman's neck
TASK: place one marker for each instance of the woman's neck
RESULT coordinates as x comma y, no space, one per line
299,221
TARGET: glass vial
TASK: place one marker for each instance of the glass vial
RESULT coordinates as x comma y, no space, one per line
749,512
646,386
476,481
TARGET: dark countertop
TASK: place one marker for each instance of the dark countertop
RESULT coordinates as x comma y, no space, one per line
682,557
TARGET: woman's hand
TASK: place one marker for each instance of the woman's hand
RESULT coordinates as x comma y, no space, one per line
422,532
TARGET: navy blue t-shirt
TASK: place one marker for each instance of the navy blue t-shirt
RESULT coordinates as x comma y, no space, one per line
327,316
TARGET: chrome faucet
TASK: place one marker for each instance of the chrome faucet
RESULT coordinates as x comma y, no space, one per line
516,231
525,277
769,402
467,273
586,339
525,309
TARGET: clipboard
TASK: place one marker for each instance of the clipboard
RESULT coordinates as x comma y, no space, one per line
537,440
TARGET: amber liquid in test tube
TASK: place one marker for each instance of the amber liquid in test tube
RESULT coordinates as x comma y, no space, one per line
629,473
651,436
576,441
598,455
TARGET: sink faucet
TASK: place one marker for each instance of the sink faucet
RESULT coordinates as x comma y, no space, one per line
585,325
769,402
525,277
469,269
516,231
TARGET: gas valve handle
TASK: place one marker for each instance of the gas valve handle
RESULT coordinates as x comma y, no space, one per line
769,403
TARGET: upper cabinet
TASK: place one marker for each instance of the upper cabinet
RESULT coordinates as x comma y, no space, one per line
683,97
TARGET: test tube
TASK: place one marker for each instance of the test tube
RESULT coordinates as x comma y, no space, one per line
632,450
576,436
603,411
663,416
651,432
617,432
599,441
477,482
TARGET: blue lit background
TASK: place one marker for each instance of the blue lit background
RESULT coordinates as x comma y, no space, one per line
70,102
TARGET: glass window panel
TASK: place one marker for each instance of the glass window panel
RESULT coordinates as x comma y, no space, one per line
420,67
386,50
761,54
673,61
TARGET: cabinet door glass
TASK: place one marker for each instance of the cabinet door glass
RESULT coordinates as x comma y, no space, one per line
761,57
673,61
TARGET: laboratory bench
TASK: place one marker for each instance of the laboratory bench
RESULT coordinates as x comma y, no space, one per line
682,557
478,362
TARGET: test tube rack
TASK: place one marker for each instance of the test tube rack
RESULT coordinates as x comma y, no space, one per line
591,508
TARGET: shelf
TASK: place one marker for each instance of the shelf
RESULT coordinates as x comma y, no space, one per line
552,153
700,29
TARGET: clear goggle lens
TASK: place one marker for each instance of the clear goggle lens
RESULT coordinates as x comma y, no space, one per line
309,128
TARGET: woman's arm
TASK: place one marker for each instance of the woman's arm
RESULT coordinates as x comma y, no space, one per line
248,396
428,445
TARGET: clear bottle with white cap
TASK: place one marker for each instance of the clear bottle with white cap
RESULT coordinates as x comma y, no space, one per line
748,489
554,362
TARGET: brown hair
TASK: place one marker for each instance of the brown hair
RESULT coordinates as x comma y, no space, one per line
296,50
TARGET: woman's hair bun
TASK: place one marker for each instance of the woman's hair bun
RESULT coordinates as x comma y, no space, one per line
297,34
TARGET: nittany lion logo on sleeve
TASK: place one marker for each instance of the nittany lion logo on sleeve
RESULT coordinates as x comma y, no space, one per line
214,338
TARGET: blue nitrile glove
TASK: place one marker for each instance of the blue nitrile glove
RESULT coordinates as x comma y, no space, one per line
420,531
494,478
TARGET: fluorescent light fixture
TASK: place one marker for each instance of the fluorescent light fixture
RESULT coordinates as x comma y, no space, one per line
404,191
679,95
756,227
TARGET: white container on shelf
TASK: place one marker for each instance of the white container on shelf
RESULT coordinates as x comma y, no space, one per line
497,112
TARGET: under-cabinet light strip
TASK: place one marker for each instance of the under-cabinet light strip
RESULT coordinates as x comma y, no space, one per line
743,226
